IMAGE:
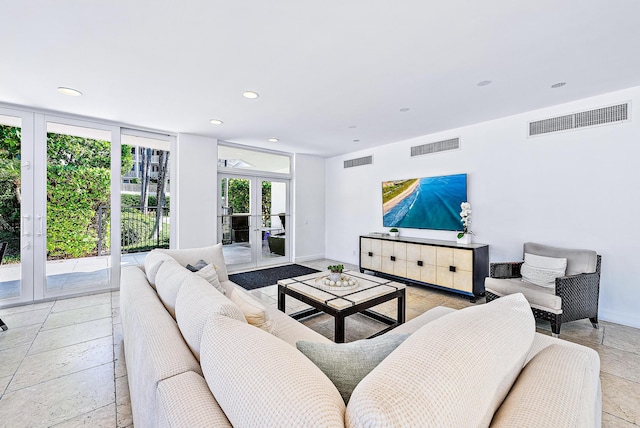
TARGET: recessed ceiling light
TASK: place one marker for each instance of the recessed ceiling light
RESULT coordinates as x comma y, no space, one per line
353,126
216,122
558,85
250,94
273,140
404,109
484,83
69,91
356,141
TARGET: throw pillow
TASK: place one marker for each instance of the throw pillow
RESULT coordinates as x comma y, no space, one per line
346,364
541,270
253,311
201,263
209,273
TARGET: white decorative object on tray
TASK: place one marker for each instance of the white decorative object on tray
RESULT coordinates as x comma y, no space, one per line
344,283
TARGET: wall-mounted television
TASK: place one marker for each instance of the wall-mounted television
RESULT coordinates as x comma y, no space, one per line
424,203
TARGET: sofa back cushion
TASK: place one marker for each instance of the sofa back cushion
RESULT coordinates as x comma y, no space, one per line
558,387
196,303
578,261
260,381
169,279
152,264
454,371
192,256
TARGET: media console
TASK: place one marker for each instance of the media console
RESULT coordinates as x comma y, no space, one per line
459,268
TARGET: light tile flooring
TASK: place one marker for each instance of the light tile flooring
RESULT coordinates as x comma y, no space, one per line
62,363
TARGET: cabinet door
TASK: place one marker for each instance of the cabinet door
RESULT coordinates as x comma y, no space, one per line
400,255
463,280
463,260
365,245
414,252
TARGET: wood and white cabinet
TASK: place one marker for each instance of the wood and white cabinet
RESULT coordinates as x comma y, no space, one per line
460,268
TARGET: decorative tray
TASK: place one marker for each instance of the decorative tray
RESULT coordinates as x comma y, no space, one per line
325,283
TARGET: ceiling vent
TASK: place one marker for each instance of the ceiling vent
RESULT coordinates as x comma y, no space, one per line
367,160
599,116
438,146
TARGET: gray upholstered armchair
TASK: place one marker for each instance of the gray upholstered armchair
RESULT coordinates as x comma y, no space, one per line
556,297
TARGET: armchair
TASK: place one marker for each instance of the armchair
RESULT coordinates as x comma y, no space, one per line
574,296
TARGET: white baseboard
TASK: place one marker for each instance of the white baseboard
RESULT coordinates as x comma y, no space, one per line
631,320
308,258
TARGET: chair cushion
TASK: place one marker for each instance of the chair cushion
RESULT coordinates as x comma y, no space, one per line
152,264
254,311
196,303
259,381
209,273
541,270
578,261
169,279
347,363
538,297
453,372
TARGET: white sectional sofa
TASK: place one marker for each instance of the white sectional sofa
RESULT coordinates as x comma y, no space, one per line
193,360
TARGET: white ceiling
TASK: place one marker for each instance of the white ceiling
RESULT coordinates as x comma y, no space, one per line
320,67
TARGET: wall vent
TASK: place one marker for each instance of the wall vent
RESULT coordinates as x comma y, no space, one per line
599,116
367,160
438,146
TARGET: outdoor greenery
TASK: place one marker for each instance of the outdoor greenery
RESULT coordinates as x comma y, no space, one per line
239,194
130,200
78,184
391,189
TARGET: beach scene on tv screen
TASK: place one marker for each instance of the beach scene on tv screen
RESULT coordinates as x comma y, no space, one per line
424,203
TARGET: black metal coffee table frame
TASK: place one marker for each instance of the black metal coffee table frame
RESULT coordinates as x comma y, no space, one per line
339,315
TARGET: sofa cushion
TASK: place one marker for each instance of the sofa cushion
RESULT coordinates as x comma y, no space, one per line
209,274
539,297
196,303
347,363
185,401
254,311
259,381
454,371
555,389
169,279
578,261
541,270
152,264
212,254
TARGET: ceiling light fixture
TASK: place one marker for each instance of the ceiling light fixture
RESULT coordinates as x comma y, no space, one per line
216,122
558,85
69,91
353,126
405,109
250,94
484,83
356,141
273,140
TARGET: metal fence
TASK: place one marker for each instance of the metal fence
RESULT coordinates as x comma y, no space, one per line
139,231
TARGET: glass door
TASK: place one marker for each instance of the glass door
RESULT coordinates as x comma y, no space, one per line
253,220
16,207
73,206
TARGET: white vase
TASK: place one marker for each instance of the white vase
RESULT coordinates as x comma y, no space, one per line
394,234
335,276
466,239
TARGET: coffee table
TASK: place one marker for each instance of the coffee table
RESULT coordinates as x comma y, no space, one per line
371,291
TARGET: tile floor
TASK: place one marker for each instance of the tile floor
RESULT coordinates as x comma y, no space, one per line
62,363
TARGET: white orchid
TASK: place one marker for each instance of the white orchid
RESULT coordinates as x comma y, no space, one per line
465,216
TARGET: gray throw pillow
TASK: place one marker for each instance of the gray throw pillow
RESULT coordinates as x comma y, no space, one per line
198,266
346,364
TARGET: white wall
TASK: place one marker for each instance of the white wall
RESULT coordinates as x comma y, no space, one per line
195,178
308,207
574,189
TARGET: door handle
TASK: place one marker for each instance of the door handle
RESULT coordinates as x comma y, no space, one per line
40,219
27,246
24,231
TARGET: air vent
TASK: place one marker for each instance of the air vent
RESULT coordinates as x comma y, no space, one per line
600,116
367,160
438,146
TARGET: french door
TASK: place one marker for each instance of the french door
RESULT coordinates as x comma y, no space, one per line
253,221
56,188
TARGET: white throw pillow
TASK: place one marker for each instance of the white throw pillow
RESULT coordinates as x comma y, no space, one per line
541,270
209,273
254,311
452,372
260,381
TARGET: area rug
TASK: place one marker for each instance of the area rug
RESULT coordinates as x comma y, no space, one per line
265,277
